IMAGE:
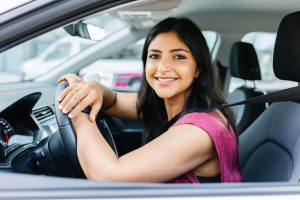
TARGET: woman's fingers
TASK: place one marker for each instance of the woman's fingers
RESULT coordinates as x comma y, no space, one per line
64,93
70,78
95,109
72,98
79,106
62,78
73,81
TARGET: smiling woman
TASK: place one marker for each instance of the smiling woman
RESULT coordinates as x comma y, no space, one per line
197,147
178,80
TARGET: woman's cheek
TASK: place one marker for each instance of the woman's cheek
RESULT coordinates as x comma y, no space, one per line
149,71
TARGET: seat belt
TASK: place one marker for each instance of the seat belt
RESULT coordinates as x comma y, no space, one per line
290,94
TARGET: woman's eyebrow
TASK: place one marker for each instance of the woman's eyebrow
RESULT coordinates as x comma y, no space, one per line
172,50
154,50
179,49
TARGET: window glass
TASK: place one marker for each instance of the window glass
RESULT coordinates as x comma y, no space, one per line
211,39
43,53
264,45
60,52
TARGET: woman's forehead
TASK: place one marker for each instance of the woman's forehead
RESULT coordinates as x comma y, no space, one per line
167,41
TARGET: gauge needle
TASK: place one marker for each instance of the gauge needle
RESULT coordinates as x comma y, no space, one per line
6,136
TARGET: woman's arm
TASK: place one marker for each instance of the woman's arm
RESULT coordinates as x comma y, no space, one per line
179,150
124,106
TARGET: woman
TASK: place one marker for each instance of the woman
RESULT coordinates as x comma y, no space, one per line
178,81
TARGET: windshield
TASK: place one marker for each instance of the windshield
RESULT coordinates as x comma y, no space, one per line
42,54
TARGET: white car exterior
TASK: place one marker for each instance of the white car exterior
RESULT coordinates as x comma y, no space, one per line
115,73
55,54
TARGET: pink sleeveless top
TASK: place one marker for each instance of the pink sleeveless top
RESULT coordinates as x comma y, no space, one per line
215,124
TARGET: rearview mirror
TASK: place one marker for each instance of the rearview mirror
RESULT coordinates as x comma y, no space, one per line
85,30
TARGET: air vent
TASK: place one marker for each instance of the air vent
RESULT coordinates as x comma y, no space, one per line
43,113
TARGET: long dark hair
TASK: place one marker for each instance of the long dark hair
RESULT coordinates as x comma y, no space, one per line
204,91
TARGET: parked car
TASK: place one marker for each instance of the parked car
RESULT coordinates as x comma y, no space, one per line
55,54
115,73
7,77
35,161
121,71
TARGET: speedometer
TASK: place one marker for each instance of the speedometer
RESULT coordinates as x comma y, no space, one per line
6,131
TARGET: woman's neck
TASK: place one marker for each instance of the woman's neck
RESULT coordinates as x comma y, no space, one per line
173,108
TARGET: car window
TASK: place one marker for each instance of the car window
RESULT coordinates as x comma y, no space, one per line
132,52
211,38
123,71
45,52
60,52
263,43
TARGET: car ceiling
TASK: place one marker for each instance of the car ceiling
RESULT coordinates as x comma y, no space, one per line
232,19
220,15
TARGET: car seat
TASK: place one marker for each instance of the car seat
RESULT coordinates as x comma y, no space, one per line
269,150
244,65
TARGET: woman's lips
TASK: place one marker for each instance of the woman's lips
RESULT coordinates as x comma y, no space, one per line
166,80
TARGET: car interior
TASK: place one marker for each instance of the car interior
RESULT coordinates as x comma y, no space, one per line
244,65
271,155
37,139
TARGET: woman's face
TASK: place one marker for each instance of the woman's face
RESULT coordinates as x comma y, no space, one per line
170,66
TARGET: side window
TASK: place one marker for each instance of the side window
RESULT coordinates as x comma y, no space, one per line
123,71
60,52
132,52
264,45
212,39
39,55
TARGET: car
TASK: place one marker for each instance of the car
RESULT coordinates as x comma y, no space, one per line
38,161
56,53
121,71
115,73
122,74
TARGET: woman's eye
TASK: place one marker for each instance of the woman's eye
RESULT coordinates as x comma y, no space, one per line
179,57
153,56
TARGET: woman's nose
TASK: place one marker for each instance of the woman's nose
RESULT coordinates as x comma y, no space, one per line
163,65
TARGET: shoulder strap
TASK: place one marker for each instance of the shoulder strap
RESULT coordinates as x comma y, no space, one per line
290,94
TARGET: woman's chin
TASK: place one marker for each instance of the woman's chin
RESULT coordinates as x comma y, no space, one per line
164,95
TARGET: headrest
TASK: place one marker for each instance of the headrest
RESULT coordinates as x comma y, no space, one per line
286,60
244,62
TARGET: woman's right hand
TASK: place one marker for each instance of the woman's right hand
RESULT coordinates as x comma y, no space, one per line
79,95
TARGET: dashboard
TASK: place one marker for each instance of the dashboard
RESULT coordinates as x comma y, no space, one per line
12,135
29,140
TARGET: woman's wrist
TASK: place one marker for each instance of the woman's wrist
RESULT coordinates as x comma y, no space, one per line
109,98
80,119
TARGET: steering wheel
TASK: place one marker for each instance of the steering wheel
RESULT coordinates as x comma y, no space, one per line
68,135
